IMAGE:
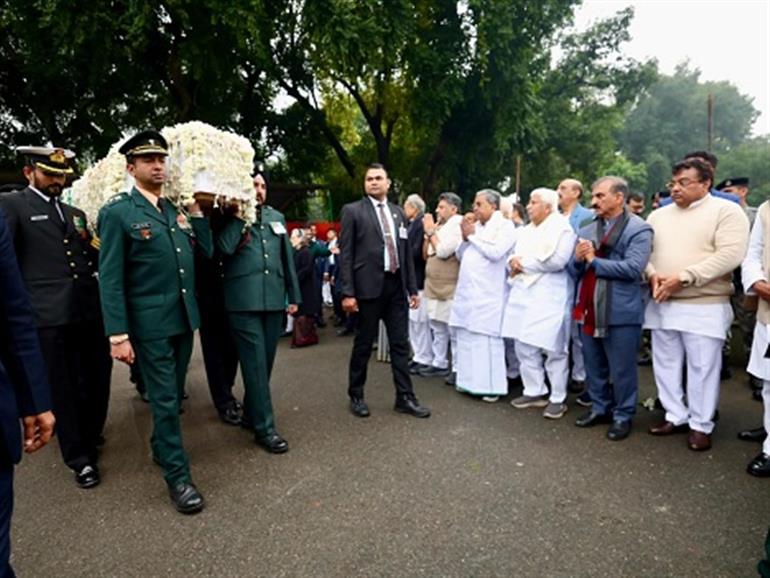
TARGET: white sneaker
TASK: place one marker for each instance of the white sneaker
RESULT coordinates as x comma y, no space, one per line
490,398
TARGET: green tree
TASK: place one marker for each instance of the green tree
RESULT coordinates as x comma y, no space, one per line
82,74
584,99
671,119
750,159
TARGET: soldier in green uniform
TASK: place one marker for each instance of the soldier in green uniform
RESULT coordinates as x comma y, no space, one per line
259,280
147,283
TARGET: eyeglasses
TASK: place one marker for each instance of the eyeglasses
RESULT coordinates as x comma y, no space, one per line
682,183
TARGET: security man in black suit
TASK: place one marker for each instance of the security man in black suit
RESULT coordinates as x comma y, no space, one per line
59,260
378,281
24,392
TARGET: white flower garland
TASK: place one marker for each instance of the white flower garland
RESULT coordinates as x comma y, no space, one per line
202,159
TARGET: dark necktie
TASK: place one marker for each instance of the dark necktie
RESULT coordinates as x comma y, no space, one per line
52,201
390,246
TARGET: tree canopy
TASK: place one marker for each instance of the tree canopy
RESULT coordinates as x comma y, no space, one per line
449,95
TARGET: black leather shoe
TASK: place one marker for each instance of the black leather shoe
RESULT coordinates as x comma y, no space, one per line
619,430
575,386
431,371
753,435
513,382
87,477
591,419
345,332
231,415
756,395
411,406
273,443
451,379
143,396
358,407
186,498
759,466
415,368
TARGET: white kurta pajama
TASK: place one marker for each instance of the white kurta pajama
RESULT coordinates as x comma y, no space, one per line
752,270
477,308
449,238
420,336
694,332
537,312
686,327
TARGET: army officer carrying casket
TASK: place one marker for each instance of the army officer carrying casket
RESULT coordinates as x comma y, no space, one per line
147,275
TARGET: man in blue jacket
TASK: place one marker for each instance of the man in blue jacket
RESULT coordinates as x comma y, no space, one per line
24,391
610,256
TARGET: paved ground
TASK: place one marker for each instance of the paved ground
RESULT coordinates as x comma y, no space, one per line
476,490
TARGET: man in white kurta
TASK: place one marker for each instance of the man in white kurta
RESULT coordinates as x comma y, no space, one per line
537,313
756,280
478,302
441,271
698,241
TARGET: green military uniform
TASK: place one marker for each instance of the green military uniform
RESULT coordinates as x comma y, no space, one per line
147,284
259,275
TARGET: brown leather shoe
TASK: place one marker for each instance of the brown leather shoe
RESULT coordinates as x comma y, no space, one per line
698,441
667,428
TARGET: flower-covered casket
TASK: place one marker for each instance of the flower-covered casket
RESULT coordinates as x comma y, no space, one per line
204,164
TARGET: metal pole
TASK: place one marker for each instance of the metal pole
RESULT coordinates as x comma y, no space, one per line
710,121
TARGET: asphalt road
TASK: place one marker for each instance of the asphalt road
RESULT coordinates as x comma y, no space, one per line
476,490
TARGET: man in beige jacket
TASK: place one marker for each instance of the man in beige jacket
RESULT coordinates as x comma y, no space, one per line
698,241
441,271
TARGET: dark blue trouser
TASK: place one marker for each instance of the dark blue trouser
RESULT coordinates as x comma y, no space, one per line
6,510
613,357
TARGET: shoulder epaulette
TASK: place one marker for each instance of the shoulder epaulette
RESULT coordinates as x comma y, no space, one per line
117,198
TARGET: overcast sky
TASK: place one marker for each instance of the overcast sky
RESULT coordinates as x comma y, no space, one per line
725,39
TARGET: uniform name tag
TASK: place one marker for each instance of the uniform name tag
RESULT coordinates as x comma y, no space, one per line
136,226
38,218
278,228
402,234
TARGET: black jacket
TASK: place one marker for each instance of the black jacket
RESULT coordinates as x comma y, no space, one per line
307,277
362,246
416,233
58,262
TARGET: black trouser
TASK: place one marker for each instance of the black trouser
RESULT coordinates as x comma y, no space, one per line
393,308
6,512
220,355
79,365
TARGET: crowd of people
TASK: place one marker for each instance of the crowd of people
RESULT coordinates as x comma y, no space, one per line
571,299
553,297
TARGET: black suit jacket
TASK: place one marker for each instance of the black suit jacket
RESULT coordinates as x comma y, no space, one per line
57,261
362,247
416,237
23,385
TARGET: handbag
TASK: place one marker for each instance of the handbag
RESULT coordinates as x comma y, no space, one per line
304,333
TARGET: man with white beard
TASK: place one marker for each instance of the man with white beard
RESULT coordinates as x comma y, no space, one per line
476,311
537,312
441,272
